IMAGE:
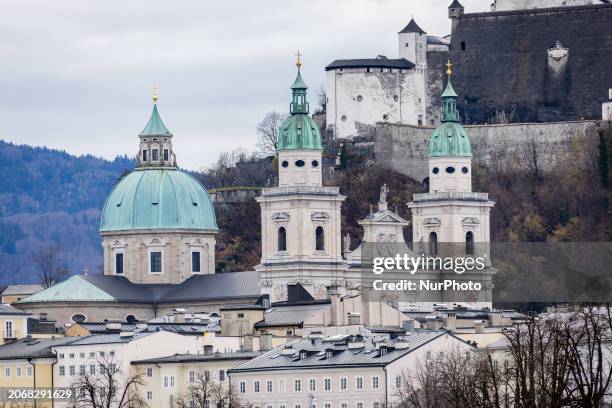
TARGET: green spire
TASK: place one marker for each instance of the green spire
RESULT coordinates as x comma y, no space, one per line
449,104
155,126
299,131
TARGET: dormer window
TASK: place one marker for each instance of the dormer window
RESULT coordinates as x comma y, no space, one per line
383,351
303,355
155,155
329,353
165,154
144,155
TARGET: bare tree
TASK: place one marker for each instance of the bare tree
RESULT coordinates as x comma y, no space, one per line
268,131
108,388
46,259
206,393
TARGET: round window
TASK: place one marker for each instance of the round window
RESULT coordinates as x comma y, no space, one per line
343,117
464,170
385,117
285,163
435,170
395,98
79,318
130,318
450,170
359,98
315,163
299,163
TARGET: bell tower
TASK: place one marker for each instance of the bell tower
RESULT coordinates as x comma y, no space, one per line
300,219
155,142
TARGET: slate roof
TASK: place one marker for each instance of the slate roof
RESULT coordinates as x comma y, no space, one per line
432,39
110,288
380,62
290,315
32,348
107,338
460,314
287,357
13,311
21,289
188,328
412,27
456,4
194,358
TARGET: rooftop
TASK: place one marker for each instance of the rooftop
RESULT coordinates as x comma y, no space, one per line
32,348
195,358
21,289
13,311
412,27
344,351
380,62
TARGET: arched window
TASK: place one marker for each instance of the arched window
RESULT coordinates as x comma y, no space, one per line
282,239
433,243
79,318
462,45
469,243
130,319
320,239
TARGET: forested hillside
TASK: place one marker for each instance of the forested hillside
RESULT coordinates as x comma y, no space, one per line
51,198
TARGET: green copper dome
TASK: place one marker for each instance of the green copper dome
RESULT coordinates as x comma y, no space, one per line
155,126
450,138
156,198
299,131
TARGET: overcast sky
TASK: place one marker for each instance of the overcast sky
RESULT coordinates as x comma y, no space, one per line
77,75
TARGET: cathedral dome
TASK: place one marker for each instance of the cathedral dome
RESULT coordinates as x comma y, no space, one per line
299,131
158,198
450,138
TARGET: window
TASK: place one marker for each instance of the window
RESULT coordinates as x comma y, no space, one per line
81,355
62,371
343,405
375,383
71,355
314,163
282,387
8,330
102,354
269,386
327,384
297,385
420,120
285,163
119,263
343,383
82,369
282,239
241,315
169,382
242,387
343,118
359,405
469,243
92,369
433,243
450,169
155,155
29,371
385,117
464,170
207,375
144,155
299,163
165,154
156,262
462,45
92,354
398,381
320,239
61,355
435,170
149,372
18,372
192,376
359,98
195,262
428,355
312,385
221,375
359,383
149,395
255,386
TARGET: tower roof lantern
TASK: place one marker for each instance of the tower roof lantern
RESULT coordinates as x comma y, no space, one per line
155,126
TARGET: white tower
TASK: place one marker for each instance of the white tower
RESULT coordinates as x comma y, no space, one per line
300,219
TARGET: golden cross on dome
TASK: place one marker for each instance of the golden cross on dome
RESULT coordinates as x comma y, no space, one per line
154,93
298,63
449,67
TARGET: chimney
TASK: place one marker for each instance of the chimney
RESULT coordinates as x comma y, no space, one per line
336,306
479,326
42,315
208,349
113,325
450,321
247,343
408,325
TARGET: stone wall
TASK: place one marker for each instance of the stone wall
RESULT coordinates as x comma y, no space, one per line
403,148
506,66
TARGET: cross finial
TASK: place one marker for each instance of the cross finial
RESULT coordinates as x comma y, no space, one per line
298,63
449,68
154,93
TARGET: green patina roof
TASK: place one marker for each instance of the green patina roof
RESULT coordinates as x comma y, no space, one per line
76,288
155,126
299,82
155,198
299,131
450,138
